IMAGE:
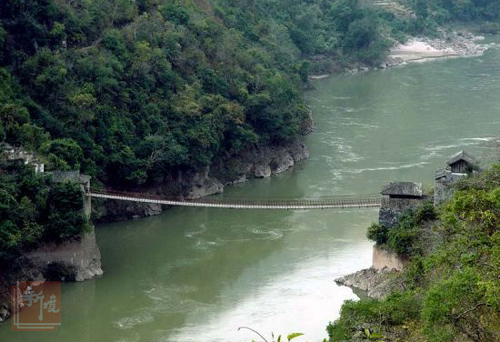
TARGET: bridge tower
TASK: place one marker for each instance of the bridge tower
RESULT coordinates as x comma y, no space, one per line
83,180
397,197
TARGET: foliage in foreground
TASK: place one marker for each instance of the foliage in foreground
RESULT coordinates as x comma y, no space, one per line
452,284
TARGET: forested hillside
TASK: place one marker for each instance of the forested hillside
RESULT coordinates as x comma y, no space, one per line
463,10
126,90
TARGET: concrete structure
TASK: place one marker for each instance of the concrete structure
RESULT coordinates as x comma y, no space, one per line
397,197
458,166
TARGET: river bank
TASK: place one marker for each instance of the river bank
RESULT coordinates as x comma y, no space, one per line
454,44
76,259
255,162
440,292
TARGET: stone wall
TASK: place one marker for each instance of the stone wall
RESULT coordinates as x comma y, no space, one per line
443,190
392,208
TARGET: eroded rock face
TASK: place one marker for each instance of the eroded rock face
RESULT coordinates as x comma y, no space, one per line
4,313
75,259
200,184
114,211
376,284
261,171
385,259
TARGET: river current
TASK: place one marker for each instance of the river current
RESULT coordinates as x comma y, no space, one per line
194,274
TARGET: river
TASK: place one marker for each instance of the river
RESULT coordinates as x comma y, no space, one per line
195,274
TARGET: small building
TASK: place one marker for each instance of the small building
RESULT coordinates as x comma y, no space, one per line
458,166
72,176
398,197
402,190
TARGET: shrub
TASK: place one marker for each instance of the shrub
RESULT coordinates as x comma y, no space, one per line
403,241
395,310
378,233
425,213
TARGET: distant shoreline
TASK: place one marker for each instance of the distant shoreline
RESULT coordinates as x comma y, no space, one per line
455,44
421,49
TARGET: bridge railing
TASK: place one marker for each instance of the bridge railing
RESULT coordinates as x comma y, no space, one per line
322,202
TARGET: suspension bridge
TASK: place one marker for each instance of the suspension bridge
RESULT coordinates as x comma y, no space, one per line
340,202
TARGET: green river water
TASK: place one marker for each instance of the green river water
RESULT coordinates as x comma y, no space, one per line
195,274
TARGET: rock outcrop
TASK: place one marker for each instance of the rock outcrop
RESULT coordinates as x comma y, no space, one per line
114,211
78,259
379,280
376,284
385,259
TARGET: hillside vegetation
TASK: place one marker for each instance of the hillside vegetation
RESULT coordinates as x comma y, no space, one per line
452,281
33,209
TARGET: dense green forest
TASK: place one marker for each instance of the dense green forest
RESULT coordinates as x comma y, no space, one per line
431,14
128,91
452,280
463,10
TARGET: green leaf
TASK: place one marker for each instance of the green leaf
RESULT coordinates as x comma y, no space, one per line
293,335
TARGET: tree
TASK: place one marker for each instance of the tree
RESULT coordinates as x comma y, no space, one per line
361,34
65,150
378,233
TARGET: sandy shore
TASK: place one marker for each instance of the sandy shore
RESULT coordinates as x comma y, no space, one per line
422,48
318,77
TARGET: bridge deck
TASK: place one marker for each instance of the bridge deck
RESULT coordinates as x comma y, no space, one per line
369,201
